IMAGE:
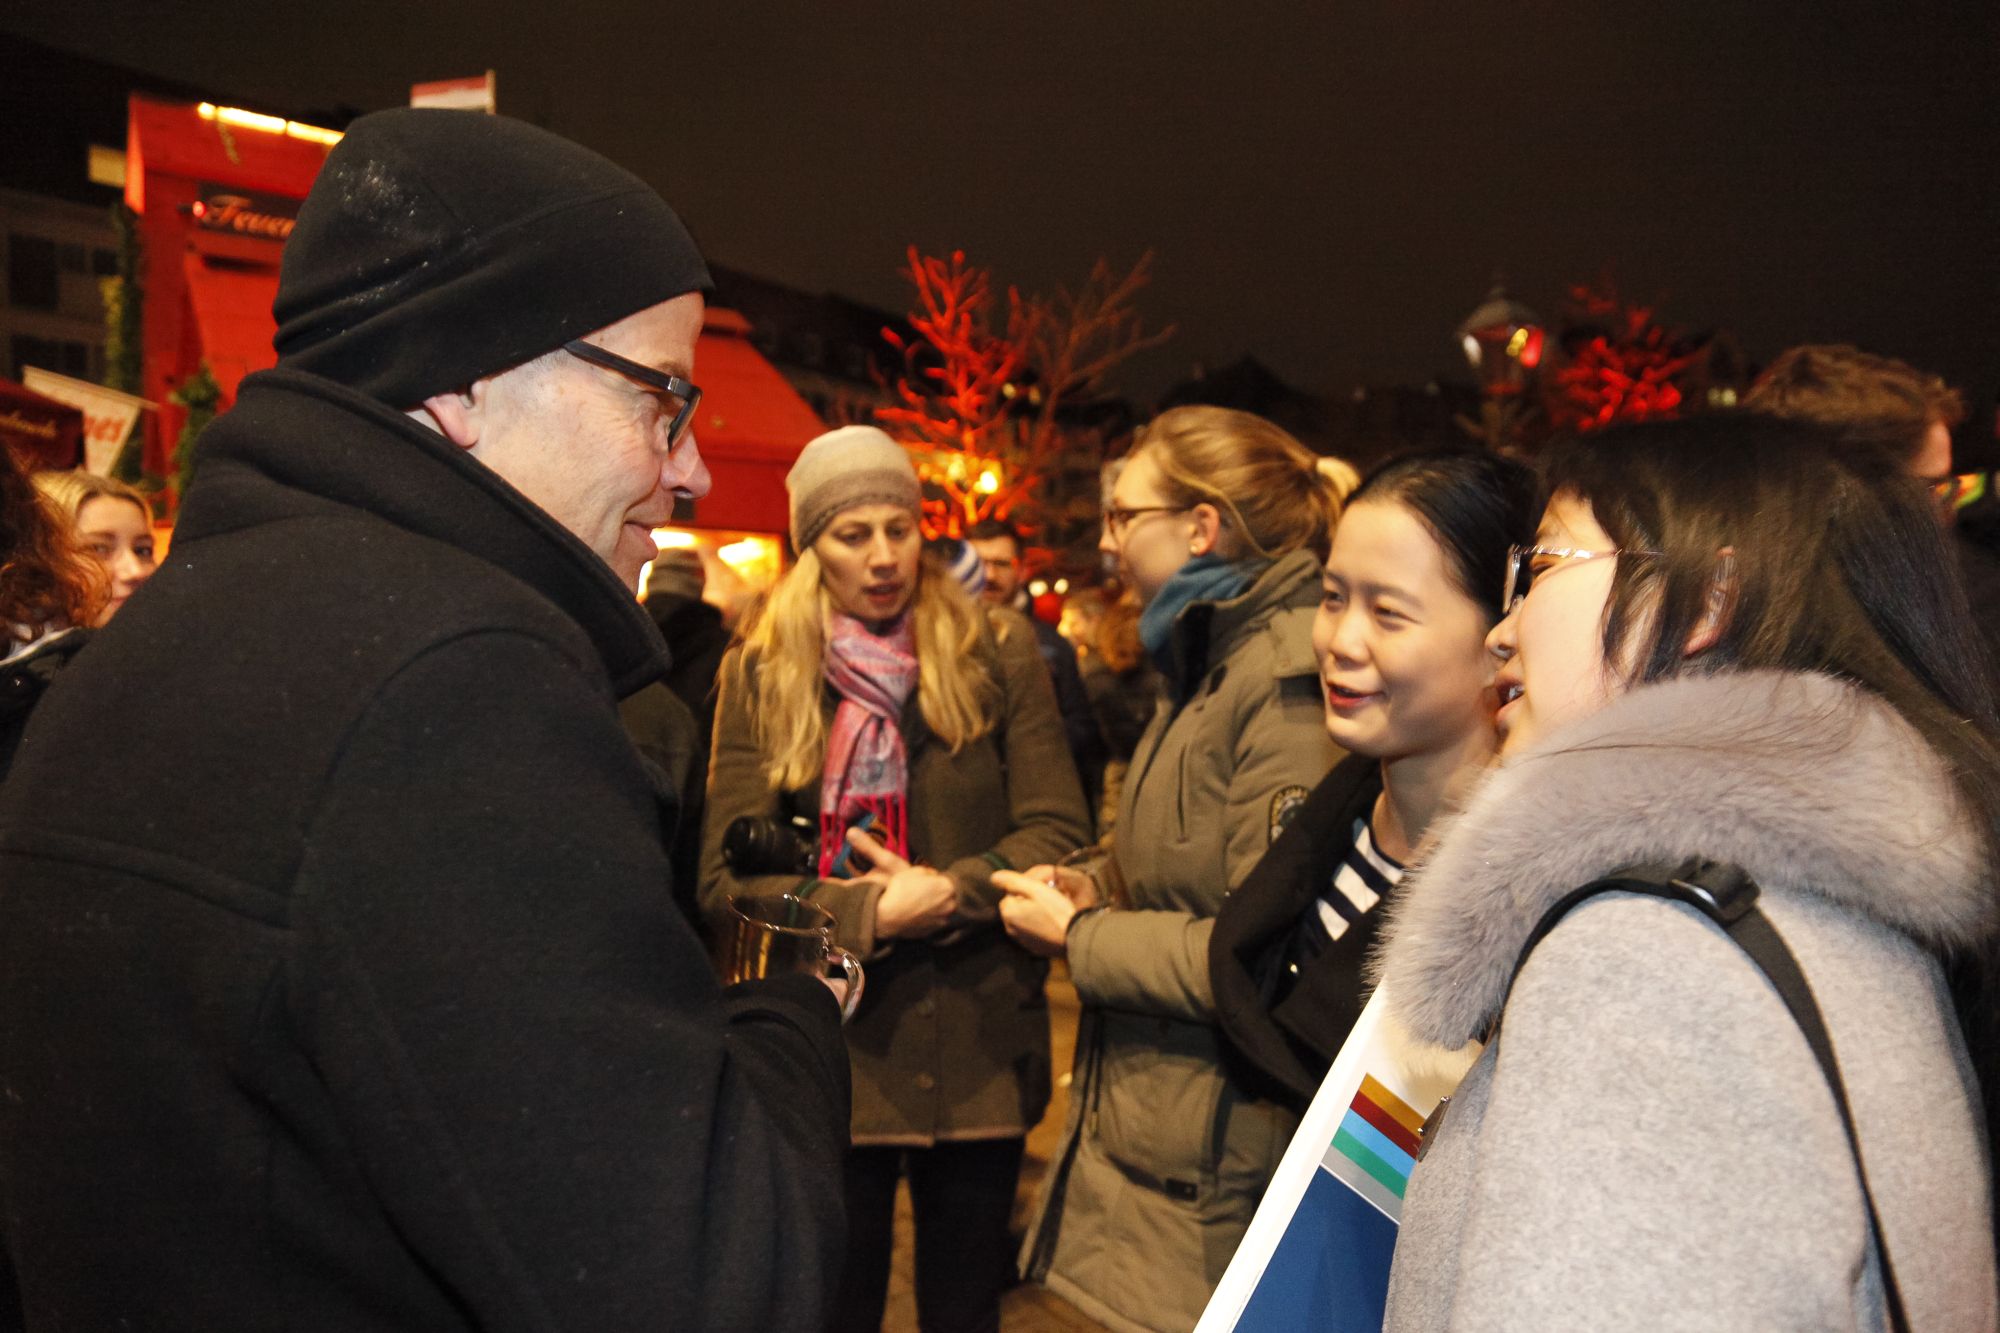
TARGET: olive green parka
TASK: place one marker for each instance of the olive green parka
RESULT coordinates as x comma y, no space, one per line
1163,1158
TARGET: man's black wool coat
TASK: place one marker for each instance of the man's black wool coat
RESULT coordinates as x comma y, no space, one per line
341,986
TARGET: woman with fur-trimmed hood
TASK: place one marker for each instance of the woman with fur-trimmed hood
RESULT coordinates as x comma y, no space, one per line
1731,641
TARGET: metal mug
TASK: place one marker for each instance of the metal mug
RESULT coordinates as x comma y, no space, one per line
769,936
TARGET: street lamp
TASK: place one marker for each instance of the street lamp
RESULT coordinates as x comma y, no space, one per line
1503,340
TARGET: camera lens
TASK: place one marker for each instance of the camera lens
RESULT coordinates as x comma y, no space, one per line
758,845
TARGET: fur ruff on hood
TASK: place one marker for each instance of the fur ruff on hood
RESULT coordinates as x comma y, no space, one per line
1809,784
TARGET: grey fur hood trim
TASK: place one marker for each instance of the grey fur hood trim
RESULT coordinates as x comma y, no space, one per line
1810,784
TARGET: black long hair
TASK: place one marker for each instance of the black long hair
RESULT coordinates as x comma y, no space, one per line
1841,566
1475,505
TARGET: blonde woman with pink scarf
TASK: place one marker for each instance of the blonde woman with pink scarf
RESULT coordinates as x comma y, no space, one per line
871,705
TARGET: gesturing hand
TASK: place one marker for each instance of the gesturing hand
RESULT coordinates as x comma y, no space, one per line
916,900
1035,912
1075,885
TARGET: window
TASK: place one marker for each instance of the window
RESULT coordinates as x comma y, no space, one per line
32,281
104,263
75,359
24,351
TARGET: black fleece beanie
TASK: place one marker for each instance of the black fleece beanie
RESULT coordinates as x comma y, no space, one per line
438,247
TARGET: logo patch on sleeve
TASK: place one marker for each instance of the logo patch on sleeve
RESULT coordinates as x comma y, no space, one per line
1285,806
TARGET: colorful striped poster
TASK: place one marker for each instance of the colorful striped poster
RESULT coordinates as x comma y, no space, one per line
1318,1251
1376,1145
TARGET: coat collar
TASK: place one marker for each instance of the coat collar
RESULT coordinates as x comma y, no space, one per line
1810,784
294,441
1207,632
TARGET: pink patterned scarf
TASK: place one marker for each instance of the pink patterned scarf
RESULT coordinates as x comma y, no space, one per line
867,768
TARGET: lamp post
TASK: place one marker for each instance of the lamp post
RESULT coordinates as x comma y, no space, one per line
1504,341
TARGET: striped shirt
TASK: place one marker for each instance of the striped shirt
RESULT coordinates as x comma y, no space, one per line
1361,881
1364,878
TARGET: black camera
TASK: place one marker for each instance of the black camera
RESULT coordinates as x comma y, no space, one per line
762,845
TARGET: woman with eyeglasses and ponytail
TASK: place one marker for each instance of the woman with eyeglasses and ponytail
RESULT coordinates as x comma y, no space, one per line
1724,914
1219,523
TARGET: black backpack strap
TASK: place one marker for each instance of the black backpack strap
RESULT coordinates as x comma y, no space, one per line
1728,897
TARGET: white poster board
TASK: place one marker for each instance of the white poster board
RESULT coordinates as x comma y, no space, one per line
1317,1253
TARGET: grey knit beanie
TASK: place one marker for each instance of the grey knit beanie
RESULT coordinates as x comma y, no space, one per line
855,465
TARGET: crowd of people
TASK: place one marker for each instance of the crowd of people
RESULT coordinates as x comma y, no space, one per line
354,879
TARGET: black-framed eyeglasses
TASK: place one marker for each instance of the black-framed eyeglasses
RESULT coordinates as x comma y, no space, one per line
1117,518
681,396
1521,568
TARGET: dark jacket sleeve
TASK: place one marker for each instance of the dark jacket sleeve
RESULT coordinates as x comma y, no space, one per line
545,1088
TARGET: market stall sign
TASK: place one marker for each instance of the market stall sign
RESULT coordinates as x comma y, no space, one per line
220,208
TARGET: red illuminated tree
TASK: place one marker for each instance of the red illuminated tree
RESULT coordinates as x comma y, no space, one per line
983,381
1622,364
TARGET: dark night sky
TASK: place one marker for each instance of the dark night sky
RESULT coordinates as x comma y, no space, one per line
1330,184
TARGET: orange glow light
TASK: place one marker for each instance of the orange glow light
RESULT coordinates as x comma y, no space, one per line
237,118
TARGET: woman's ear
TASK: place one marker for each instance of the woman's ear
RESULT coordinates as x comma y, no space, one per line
1207,533
1718,607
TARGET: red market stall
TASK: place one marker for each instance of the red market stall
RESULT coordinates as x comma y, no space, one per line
750,427
217,191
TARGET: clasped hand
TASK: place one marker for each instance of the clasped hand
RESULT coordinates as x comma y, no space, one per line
916,900
1040,903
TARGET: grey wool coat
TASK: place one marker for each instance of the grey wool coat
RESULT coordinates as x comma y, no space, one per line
1649,1142
1164,1158
951,1039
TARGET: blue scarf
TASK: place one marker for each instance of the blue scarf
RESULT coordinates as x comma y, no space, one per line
1206,578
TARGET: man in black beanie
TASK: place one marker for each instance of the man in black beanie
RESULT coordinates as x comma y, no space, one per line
367,1006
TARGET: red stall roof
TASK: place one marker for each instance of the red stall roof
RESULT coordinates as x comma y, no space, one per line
164,137
750,427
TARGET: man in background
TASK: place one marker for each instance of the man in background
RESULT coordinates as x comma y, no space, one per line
1000,548
1880,400
672,721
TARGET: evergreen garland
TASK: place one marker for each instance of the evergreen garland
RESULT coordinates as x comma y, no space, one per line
124,336
199,394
